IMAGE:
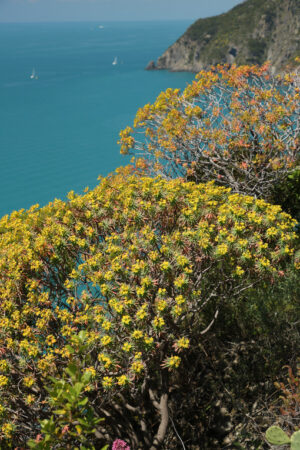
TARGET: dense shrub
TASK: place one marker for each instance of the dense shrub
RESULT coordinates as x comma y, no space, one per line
145,267
257,48
238,126
287,194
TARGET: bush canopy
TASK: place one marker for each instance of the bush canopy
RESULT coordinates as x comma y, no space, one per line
236,125
144,267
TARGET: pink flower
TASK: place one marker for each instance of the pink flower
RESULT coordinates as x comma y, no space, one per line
65,429
120,445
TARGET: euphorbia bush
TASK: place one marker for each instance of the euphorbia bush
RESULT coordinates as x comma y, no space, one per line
143,266
236,125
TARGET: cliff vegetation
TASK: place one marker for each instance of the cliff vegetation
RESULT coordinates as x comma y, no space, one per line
250,33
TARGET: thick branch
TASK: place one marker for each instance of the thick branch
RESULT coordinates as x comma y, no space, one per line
161,433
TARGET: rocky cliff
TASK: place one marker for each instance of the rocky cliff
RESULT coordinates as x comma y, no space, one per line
252,32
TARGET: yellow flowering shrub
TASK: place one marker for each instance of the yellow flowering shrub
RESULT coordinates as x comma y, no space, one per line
141,265
236,125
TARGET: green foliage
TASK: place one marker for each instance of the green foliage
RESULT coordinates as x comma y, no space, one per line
237,20
257,49
287,194
295,441
276,436
73,421
237,27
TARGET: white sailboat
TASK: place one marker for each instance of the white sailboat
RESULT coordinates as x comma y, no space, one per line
115,61
33,75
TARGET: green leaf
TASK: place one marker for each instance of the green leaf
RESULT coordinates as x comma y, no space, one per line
295,441
78,388
99,420
60,412
277,436
70,349
83,422
83,402
86,377
72,393
48,426
78,429
82,336
72,370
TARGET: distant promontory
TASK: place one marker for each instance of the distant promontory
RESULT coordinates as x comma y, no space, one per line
251,33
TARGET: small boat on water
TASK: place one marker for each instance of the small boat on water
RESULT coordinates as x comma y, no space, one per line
33,75
115,61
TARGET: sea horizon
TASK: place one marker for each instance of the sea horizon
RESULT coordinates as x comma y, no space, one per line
95,21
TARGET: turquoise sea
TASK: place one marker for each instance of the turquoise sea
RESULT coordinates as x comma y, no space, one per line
59,129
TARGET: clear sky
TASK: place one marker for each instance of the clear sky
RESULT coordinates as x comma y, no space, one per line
104,10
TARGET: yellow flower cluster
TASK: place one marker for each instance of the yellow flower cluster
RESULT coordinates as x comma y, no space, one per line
7,430
182,343
137,366
3,380
173,362
28,381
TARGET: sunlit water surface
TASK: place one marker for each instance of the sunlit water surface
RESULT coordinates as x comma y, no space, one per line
63,102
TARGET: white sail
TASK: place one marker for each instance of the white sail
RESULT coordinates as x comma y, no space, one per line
115,61
33,75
